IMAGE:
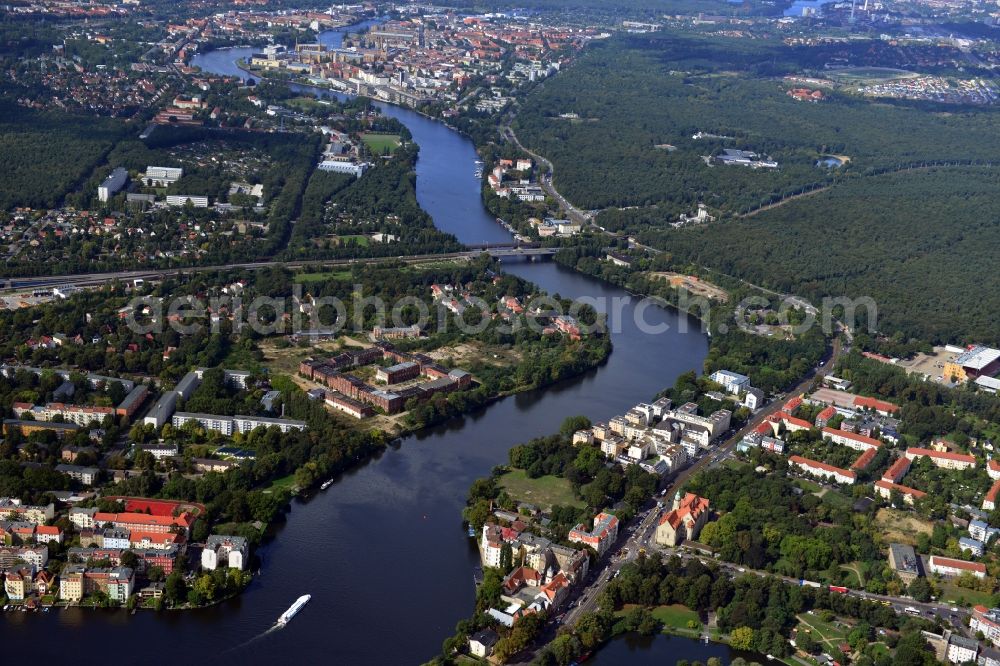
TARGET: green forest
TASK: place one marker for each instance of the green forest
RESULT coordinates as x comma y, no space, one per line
921,244
47,154
774,364
338,211
641,98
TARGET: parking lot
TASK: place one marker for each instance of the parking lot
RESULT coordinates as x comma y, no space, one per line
929,365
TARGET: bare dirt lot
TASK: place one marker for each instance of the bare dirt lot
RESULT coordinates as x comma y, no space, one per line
465,354
694,284
901,526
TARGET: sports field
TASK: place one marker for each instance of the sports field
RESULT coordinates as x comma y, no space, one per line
379,144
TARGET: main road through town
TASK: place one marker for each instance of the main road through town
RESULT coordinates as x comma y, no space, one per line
639,535
383,551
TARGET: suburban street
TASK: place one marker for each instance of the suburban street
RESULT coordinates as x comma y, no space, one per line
640,535
574,213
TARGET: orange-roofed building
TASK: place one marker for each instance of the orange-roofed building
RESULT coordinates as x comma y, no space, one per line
824,416
881,406
947,566
154,540
794,423
865,459
850,439
601,537
990,501
47,533
684,520
943,459
143,522
790,423
993,469
521,577
897,470
823,470
986,620
884,489
792,404
556,589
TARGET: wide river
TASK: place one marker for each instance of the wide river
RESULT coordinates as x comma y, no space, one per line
383,551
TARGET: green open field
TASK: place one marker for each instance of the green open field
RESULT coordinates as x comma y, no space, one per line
286,482
837,500
305,102
241,359
544,492
828,634
864,74
675,616
808,486
363,241
305,278
380,143
856,581
952,593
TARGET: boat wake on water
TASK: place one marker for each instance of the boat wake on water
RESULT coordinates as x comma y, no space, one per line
280,623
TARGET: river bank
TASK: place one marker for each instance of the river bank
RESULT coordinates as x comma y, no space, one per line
362,546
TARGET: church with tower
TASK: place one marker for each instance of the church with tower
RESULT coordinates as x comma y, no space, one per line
684,520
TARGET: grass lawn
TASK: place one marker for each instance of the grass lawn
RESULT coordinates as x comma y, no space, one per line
304,278
358,239
234,528
808,486
304,103
855,581
675,616
433,264
826,633
871,74
881,649
837,500
544,492
286,482
952,593
380,143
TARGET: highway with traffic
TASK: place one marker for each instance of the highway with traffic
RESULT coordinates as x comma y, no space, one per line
91,279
